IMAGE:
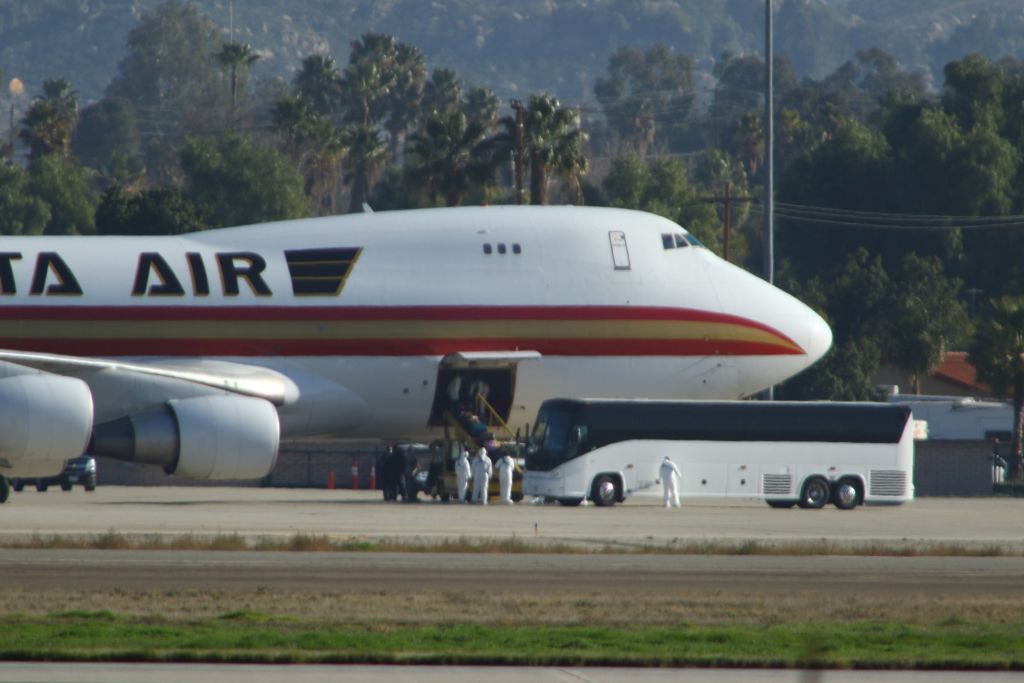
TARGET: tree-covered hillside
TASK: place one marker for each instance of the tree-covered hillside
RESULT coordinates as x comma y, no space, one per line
558,46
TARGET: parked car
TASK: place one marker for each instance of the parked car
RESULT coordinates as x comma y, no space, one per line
80,470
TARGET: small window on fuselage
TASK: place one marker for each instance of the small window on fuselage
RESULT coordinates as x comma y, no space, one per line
516,249
487,248
501,247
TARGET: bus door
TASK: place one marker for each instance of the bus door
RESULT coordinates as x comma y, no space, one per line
462,378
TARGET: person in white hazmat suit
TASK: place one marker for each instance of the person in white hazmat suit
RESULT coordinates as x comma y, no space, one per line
462,474
482,470
506,466
670,481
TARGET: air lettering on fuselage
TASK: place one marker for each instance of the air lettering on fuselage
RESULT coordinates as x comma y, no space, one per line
47,262
313,272
234,266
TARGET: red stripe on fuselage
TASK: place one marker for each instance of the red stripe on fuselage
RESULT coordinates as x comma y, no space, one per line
393,347
227,346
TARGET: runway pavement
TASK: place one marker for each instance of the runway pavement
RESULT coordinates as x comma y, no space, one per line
225,673
991,523
343,514
364,573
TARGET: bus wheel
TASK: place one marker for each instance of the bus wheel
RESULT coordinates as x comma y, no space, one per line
815,495
603,492
570,502
846,494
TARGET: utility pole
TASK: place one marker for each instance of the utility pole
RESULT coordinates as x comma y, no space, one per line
769,137
518,155
728,220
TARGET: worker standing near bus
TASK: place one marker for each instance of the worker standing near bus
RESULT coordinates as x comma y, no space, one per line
670,481
505,468
482,470
462,474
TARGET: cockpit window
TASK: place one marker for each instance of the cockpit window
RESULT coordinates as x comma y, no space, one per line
694,241
667,241
681,240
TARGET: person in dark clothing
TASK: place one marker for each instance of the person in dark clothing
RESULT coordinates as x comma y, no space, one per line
410,466
391,479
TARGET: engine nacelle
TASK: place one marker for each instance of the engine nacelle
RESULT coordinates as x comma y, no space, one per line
204,437
44,420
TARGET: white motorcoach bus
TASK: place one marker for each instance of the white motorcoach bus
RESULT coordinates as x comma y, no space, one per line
786,453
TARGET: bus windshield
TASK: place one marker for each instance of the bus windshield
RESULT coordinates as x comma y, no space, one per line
550,436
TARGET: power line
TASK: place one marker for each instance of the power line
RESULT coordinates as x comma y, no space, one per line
893,221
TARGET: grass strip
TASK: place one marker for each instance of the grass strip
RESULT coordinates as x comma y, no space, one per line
302,542
257,637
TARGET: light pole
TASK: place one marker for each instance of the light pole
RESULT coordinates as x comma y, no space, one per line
769,135
768,237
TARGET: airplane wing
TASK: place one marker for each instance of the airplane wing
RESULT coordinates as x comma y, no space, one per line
236,378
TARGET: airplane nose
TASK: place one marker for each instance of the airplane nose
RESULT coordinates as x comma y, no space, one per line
820,337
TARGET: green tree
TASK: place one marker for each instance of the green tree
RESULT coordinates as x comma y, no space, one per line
63,187
927,318
554,145
853,297
661,186
481,104
233,181
169,78
21,213
50,120
364,158
318,84
442,93
235,57
449,156
997,352
107,130
646,94
152,212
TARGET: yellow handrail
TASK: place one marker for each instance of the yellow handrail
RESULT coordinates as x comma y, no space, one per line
461,434
493,413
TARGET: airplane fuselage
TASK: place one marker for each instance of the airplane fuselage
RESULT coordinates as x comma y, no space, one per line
361,311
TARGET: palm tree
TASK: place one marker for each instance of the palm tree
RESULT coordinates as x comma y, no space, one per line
364,156
442,93
448,155
235,56
315,145
748,143
51,119
997,353
554,144
318,82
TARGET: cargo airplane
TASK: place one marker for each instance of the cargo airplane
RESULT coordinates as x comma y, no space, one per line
199,352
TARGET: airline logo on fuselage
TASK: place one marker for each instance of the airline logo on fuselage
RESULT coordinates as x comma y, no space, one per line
313,272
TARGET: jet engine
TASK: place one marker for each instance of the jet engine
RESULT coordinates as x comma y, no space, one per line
44,420
204,437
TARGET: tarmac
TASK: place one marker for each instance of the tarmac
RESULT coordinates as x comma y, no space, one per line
970,522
